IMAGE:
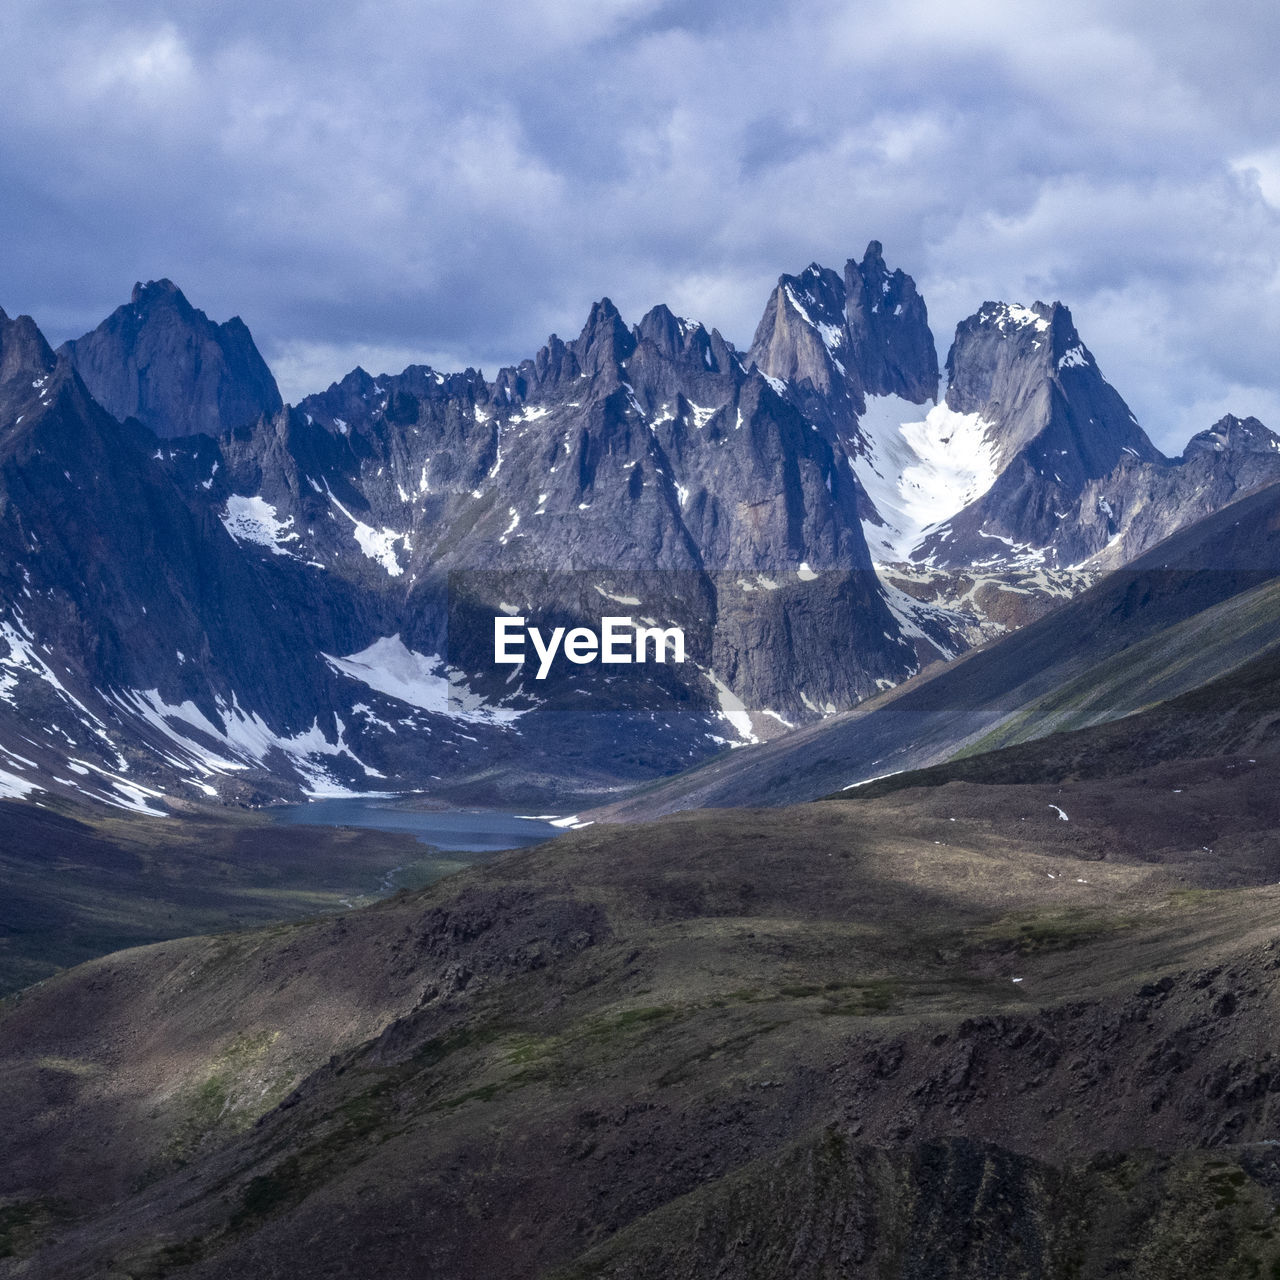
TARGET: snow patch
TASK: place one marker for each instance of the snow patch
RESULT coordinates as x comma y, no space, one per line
608,595
909,613
1009,315
531,414
255,520
13,787
733,709
571,823
424,681
377,544
243,740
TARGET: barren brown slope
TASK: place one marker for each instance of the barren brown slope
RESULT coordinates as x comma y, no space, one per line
499,1075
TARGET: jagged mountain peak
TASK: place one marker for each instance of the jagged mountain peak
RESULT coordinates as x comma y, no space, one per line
1043,330
673,335
1232,434
1052,428
817,296
597,353
24,353
998,336
1012,317
844,337
887,323
157,290
605,336
60,420
800,331
819,284
640,448
599,350
163,361
1006,353
683,344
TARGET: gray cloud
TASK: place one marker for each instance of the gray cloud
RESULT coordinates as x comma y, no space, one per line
375,182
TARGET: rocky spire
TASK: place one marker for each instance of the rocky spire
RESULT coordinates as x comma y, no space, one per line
863,333
887,323
24,353
164,362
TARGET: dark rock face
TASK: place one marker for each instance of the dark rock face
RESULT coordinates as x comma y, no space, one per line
25,364
630,452
1138,505
274,600
888,325
1027,369
118,587
164,362
1240,439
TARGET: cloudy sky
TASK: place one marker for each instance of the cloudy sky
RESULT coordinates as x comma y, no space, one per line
449,181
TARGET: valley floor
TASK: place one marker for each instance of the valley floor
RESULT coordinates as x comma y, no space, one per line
83,880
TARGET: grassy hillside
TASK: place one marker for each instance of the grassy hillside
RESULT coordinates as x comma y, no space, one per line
1236,714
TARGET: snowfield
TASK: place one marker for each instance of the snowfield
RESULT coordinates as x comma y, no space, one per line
922,465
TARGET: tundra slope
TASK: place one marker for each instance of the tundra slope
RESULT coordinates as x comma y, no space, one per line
980,1029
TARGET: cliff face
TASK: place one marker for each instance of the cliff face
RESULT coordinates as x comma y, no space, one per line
307,600
1054,425
162,361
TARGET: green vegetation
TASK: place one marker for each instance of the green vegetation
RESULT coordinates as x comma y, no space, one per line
738,1043
232,1093
1186,656
23,1223
360,1121
1032,933
1137,1216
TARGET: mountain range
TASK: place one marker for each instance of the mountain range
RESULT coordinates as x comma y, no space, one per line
209,594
